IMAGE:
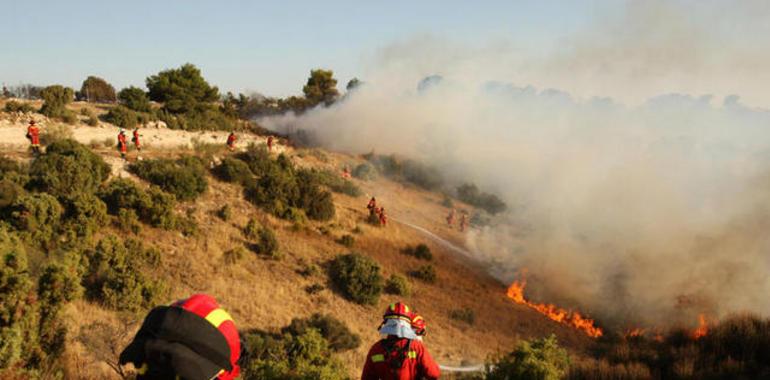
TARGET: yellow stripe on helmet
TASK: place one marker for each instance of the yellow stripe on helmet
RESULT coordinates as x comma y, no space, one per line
218,316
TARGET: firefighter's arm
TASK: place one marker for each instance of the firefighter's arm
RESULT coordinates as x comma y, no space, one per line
429,368
369,372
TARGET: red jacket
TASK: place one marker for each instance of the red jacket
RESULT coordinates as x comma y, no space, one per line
231,139
417,364
34,134
122,142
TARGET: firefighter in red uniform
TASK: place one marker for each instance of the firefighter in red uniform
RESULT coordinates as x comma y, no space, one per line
400,356
33,134
191,339
372,206
450,219
383,217
269,143
135,139
231,141
463,221
122,144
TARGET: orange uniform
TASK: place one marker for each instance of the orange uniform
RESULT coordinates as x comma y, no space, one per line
33,134
122,143
136,139
231,141
270,143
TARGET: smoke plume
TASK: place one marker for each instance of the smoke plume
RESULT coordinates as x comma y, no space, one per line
637,208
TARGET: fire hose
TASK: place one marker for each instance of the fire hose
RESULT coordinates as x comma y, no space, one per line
474,368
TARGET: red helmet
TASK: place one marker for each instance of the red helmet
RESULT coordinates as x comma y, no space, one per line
418,325
399,310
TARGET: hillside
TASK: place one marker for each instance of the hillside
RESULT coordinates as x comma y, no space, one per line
266,294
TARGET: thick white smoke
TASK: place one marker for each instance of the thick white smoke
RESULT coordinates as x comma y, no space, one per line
635,213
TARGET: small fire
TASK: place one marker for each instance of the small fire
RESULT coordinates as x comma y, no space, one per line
703,328
570,318
635,333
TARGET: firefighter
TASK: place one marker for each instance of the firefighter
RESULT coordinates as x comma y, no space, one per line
418,325
450,219
231,141
33,135
191,339
400,355
122,144
463,221
346,173
383,217
269,143
135,139
372,206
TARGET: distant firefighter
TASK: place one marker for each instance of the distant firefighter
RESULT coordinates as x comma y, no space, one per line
231,141
372,206
33,135
122,143
383,217
135,139
270,143
463,220
450,219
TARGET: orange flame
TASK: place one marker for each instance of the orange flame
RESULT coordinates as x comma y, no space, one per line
635,333
702,329
570,318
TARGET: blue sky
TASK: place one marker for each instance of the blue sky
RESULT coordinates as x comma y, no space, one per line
268,47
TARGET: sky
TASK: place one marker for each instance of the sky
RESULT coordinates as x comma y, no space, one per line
268,47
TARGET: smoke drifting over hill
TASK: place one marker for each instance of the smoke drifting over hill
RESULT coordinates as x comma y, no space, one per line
635,213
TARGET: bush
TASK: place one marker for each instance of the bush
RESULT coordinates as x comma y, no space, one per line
291,357
541,359
185,178
14,106
56,132
56,286
234,170
18,314
225,213
602,369
335,182
95,89
128,221
68,165
464,315
346,240
420,251
9,192
471,195
55,100
182,90
85,213
268,243
114,278
365,172
251,230
335,332
37,217
90,115
153,207
134,99
410,171
122,117
233,256
425,273
398,285
358,277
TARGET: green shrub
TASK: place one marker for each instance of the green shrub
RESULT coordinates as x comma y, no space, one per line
358,277
56,132
128,221
185,178
398,285
9,192
602,369
335,182
471,195
463,315
68,165
36,216
251,230
346,240
55,100
134,99
159,212
18,313
335,332
257,158
420,251
225,213
314,289
122,117
85,213
365,171
14,106
234,170
409,171
291,357
95,89
153,207
425,273
541,359
267,244
114,277
56,286
233,256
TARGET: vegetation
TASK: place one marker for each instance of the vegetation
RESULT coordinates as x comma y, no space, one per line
365,172
541,359
234,170
122,117
135,99
471,195
425,273
420,251
321,87
95,89
14,106
357,277
339,337
346,241
409,171
233,256
185,177
463,315
56,99
154,207
335,182
225,213
398,285
267,243
68,165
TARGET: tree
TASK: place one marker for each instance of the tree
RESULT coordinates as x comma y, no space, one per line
56,98
95,89
353,84
541,359
182,90
321,87
135,99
